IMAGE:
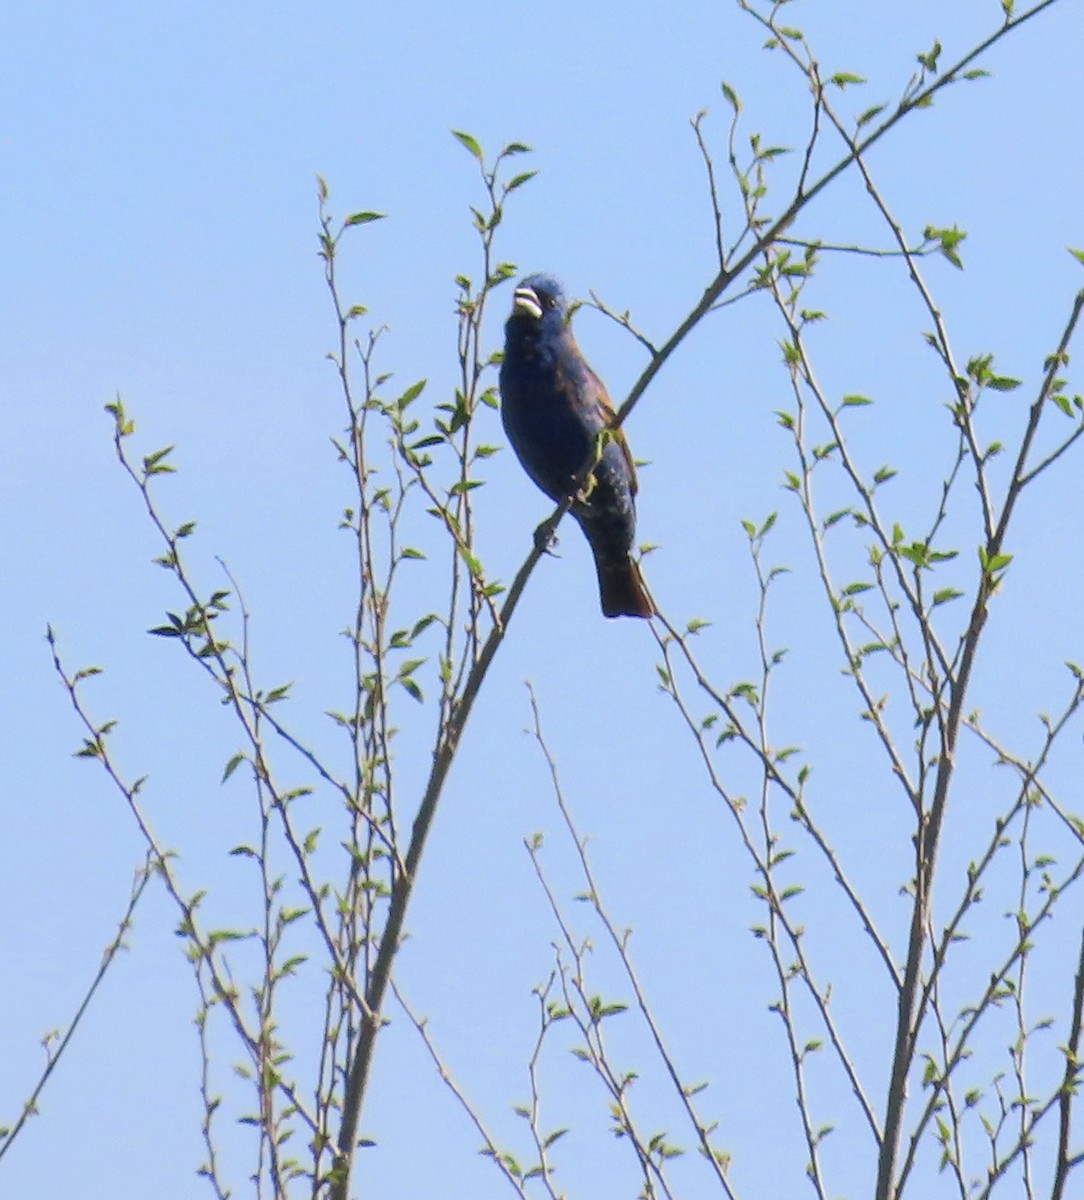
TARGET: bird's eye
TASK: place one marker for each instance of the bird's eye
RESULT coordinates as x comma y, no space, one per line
551,301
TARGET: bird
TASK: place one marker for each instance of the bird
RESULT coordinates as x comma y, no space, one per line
554,408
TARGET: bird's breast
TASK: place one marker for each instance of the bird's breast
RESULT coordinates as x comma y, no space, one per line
544,422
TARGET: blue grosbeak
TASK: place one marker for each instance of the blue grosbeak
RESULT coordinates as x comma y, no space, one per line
554,407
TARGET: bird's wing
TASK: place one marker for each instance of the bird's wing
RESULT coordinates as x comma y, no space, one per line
606,408
588,393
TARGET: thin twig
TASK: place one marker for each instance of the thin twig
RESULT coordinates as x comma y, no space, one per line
54,1053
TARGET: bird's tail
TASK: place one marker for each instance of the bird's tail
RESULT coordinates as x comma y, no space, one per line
621,588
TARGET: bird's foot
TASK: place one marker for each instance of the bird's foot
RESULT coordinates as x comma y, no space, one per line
545,538
584,494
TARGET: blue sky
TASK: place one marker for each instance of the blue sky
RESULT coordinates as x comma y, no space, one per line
159,201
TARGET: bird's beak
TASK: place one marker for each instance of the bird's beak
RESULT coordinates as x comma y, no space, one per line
526,302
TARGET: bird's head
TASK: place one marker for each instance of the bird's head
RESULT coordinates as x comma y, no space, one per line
540,301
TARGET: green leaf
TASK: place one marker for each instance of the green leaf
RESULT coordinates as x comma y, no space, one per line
855,401
411,394
1077,254
949,240
945,595
471,143
917,553
226,935
842,78
154,464
363,218
600,1010
232,766
929,59
123,427
991,563
869,114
